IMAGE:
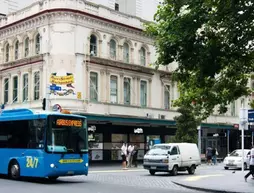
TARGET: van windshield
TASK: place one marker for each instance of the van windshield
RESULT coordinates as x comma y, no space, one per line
164,147
158,151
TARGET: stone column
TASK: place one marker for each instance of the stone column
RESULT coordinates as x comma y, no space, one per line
107,82
138,91
102,86
133,91
10,89
87,88
132,56
20,89
99,49
42,87
149,92
162,95
31,43
30,84
120,53
121,89
1,89
21,50
11,55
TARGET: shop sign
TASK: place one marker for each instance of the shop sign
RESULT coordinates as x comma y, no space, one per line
138,130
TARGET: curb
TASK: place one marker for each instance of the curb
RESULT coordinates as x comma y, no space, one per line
205,189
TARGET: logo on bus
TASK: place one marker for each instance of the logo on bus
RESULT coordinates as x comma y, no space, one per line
32,162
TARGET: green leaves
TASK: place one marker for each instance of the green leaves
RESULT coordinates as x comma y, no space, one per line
212,41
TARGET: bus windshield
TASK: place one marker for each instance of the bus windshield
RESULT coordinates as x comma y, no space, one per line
66,134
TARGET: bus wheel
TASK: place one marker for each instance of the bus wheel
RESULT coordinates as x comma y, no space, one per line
53,177
14,170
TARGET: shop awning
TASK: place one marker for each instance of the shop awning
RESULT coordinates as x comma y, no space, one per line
95,118
216,126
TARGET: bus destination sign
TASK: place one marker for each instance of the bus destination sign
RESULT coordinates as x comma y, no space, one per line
69,123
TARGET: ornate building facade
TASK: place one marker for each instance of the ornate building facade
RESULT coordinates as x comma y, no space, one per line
94,61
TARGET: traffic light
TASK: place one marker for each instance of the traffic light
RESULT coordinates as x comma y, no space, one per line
44,104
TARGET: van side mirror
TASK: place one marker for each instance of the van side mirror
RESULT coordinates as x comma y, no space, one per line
169,152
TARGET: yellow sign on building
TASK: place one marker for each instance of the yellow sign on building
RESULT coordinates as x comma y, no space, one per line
79,95
62,80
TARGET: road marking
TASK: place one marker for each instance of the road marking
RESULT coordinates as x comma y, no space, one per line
115,171
196,178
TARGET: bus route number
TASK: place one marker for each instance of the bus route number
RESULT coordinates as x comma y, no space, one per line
32,162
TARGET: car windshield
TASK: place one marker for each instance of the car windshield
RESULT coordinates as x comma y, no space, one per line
236,153
66,134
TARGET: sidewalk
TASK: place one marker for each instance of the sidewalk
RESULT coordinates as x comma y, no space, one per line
224,181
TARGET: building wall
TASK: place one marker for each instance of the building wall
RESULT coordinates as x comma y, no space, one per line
64,43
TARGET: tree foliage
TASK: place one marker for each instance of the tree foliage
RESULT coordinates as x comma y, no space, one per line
186,126
212,42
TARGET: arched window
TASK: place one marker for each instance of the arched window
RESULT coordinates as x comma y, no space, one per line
16,50
126,54
93,45
112,48
26,47
37,43
143,56
7,53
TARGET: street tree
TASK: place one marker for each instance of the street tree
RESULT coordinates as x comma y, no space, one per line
212,42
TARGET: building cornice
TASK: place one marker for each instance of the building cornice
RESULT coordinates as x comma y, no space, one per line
74,17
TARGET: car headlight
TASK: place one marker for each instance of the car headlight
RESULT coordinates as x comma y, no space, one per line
165,160
145,160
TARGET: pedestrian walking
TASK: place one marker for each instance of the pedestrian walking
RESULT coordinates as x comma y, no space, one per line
130,156
214,155
209,155
251,172
124,155
135,156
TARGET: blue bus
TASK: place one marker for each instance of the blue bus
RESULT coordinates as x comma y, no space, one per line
42,144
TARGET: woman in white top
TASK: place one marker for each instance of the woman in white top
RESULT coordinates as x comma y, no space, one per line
124,155
251,164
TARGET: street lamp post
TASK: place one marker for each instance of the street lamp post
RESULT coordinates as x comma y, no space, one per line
243,123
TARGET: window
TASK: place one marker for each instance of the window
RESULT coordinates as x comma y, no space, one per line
126,53
7,53
143,56
26,47
116,6
6,90
127,90
15,89
37,85
174,151
22,134
37,43
112,48
113,89
25,87
167,97
143,93
93,86
16,50
93,45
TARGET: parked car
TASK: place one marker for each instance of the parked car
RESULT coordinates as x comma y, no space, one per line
172,157
234,159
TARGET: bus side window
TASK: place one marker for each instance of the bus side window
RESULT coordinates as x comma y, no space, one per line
37,128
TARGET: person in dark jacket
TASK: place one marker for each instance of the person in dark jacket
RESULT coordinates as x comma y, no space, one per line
135,156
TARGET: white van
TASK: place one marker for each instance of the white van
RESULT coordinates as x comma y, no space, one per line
172,157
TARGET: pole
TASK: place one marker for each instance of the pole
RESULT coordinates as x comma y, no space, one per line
228,133
199,139
242,147
252,137
47,97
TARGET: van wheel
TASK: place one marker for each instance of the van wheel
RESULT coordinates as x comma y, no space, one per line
174,171
14,170
152,172
226,168
191,170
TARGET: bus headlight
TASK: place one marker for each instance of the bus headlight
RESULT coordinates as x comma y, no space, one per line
86,164
52,165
